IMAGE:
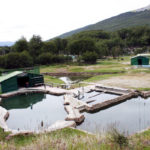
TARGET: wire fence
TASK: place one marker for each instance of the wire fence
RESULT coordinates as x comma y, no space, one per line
64,86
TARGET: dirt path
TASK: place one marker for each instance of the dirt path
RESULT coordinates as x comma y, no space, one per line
141,80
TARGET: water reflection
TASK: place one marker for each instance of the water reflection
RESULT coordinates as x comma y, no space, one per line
97,97
73,79
29,111
130,117
22,101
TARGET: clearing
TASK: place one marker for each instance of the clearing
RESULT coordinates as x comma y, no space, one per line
117,73
138,80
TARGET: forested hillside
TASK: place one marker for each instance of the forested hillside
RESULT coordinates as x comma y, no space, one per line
129,19
86,47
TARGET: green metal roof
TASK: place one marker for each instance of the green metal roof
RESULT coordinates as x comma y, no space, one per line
5,77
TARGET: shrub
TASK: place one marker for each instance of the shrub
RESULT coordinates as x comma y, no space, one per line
61,58
25,59
68,58
89,57
118,138
45,59
16,60
2,61
12,60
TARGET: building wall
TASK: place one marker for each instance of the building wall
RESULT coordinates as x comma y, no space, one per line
9,85
144,60
35,79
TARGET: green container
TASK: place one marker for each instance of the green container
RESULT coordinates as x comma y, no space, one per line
15,80
139,60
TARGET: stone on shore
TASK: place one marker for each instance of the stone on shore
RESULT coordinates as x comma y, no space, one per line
3,116
74,114
60,125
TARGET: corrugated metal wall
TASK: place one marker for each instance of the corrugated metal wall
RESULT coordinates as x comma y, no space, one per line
140,60
9,85
35,79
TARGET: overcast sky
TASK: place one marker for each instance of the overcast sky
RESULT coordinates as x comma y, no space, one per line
50,18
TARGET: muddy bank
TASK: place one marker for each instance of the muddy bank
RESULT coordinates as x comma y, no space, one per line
130,81
3,117
59,74
144,94
44,90
112,102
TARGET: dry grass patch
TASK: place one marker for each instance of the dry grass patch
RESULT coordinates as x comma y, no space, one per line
138,80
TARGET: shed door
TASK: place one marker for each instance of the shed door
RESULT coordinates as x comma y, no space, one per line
23,81
139,61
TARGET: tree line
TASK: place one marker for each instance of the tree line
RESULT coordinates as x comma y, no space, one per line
87,46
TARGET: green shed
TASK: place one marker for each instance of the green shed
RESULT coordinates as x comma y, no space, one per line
140,60
17,79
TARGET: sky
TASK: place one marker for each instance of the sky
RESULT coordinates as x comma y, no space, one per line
50,18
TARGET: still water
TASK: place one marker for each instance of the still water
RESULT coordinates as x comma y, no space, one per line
30,111
129,117
96,97
73,79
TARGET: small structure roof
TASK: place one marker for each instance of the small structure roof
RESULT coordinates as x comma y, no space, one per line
143,55
146,55
5,77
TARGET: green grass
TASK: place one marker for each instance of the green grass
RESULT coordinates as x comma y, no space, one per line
72,139
51,68
62,139
22,140
51,79
112,66
99,68
3,134
107,70
108,65
139,70
101,77
76,69
142,89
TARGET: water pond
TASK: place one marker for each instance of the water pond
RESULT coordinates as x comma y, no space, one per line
73,79
31,111
96,97
129,117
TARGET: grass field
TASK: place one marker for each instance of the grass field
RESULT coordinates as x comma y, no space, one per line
116,73
72,139
108,65
49,79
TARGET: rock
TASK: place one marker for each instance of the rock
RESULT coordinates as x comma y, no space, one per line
70,100
74,114
60,125
112,102
3,116
24,133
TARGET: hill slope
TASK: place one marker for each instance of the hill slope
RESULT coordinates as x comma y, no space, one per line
7,43
129,19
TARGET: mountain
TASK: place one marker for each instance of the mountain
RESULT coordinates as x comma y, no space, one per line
137,17
143,9
7,43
